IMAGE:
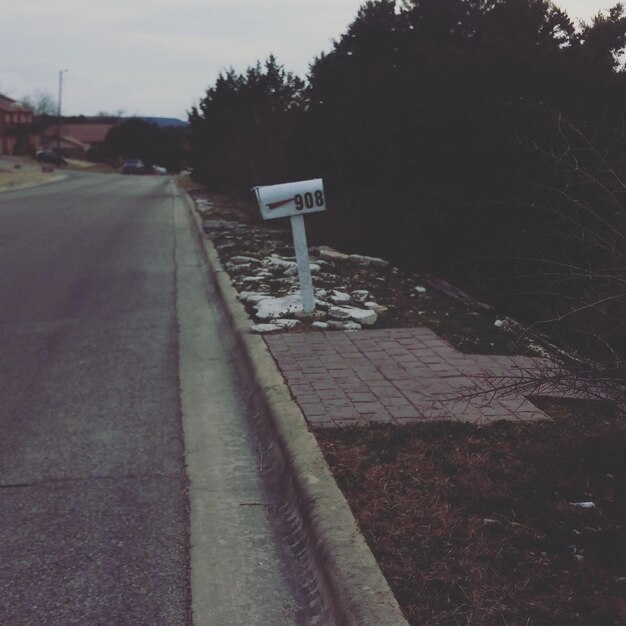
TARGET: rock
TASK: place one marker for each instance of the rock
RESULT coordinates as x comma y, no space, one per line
272,308
319,325
285,323
252,297
293,271
360,259
335,325
366,317
243,260
338,297
277,262
261,329
374,306
238,269
329,254
338,313
336,292
210,226
361,316
361,295
315,315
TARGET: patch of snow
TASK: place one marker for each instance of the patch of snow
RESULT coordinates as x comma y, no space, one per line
420,289
352,326
584,505
503,324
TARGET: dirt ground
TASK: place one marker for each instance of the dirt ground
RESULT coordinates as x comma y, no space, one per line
17,172
485,525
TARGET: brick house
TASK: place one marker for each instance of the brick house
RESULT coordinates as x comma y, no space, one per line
77,140
17,131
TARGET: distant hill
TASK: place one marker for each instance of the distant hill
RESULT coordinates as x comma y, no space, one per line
162,122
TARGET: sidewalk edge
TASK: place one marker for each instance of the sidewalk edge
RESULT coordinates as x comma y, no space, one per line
348,564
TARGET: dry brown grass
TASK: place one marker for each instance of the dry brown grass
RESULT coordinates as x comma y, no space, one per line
474,525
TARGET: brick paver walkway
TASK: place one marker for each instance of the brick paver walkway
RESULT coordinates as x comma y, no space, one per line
397,376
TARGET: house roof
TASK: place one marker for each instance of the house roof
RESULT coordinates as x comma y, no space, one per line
8,104
83,133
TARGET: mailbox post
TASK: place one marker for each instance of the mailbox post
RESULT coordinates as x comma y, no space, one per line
294,200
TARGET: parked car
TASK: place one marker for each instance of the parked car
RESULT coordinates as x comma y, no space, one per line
133,166
50,156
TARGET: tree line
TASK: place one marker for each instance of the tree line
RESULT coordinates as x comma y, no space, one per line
481,139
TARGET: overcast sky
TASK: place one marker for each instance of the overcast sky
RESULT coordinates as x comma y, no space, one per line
157,57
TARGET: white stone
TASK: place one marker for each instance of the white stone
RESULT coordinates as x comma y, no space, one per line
285,323
315,315
336,325
361,259
238,269
374,306
251,297
334,295
320,325
261,329
361,295
293,270
338,297
272,308
243,260
362,316
329,254
278,262
338,313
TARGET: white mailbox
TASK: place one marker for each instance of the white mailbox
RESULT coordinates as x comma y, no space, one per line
288,199
295,200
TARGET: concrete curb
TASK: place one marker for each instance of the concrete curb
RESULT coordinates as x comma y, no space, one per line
348,570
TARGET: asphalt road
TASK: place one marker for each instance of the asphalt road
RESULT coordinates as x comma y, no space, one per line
93,489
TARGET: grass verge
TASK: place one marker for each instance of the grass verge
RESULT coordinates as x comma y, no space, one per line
480,525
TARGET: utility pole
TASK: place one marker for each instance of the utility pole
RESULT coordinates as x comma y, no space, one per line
61,72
